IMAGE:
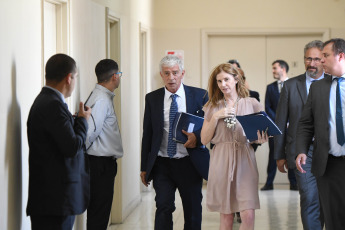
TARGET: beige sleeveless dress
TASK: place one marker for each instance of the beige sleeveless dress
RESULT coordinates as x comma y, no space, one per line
233,175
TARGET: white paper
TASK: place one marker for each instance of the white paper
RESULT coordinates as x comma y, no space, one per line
190,127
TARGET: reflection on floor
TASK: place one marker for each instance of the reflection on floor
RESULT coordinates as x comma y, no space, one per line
279,211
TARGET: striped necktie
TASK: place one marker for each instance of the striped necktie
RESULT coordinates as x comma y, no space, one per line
172,114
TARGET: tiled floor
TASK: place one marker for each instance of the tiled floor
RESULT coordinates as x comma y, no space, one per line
279,211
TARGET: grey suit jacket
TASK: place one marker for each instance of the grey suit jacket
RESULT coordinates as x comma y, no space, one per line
292,99
314,123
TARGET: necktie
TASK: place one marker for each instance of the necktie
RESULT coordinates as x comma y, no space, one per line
280,86
172,114
312,81
339,115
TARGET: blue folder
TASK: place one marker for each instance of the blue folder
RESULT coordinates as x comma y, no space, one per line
251,123
199,156
187,122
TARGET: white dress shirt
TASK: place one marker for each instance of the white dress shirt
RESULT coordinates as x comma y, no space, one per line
309,80
181,151
335,148
103,136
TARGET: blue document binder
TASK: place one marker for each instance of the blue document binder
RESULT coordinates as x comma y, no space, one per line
187,122
251,123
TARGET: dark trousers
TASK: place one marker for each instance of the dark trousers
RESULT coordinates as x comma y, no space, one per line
309,196
169,175
102,177
331,190
52,222
272,166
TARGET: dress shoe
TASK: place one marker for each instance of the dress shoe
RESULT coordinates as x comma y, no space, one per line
267,187
294,187
238,217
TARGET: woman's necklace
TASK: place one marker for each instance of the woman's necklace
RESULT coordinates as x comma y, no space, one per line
231,121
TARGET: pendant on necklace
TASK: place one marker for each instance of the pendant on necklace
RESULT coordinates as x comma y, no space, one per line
231,120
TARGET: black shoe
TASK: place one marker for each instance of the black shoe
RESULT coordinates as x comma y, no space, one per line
294,187
238,219
267,187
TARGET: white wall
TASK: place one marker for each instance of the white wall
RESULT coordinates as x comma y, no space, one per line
20,77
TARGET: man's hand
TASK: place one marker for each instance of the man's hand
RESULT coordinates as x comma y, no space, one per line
191,142
300,160
282,165
143,180
84,111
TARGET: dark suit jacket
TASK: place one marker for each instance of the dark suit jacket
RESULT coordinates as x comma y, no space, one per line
271,100
154,124
314,122
254,94
58,170
292,99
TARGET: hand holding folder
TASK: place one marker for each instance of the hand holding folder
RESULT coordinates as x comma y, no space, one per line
188,122
199,156
251,123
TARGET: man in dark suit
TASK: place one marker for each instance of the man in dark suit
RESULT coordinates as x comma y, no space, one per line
291,102
279,69
322,120
168,164
58,171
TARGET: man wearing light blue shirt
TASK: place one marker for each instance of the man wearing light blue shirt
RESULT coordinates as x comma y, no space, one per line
289,110
104,144
322,120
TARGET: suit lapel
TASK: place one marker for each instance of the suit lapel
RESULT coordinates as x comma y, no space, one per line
160,106
325,94
276,89
302,88
189,99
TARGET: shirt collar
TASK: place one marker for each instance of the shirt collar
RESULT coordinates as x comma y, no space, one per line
279,81
57,92
343,76
105,90
310,79
180,92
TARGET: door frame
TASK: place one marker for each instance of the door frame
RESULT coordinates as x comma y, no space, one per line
207,33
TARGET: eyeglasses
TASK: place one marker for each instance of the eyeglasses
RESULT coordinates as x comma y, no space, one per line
119,73
309,60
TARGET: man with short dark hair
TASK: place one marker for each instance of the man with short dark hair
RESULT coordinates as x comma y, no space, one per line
58,175
104,144
322,122
292,99
279,69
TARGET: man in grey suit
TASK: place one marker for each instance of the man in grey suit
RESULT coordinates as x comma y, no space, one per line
322,121
290,105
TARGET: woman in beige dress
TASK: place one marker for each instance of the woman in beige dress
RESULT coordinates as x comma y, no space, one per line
233,175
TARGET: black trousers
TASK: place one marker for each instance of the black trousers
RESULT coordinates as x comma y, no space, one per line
102,178
331,191
52,222
169,175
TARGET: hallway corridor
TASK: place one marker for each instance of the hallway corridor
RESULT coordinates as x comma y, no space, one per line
279,211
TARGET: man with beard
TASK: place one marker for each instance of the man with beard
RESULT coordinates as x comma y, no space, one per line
279,70
291,102
322,122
